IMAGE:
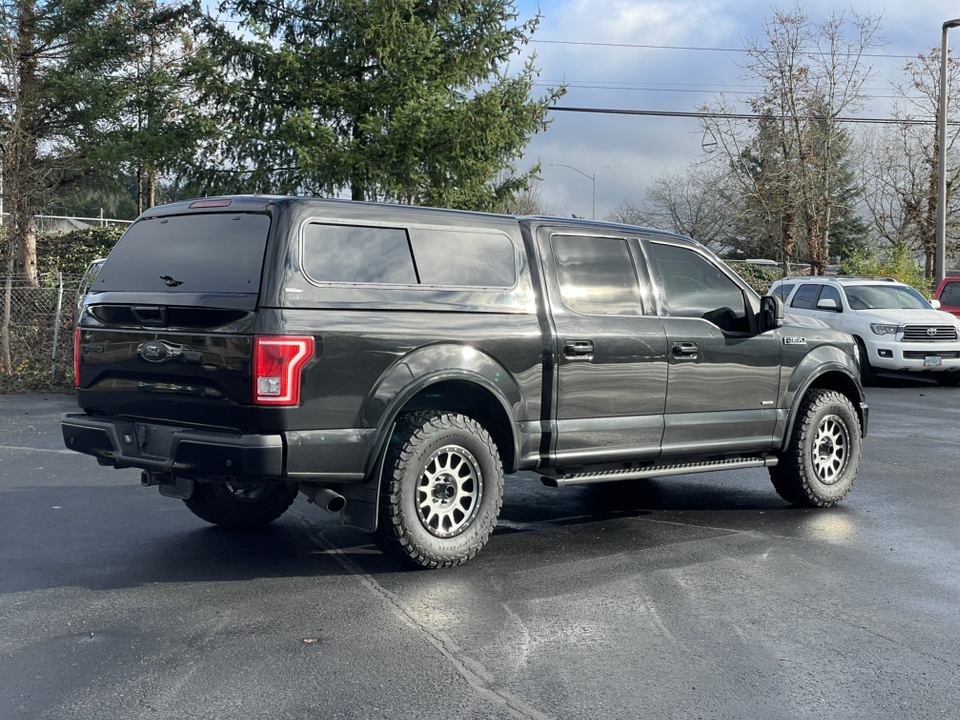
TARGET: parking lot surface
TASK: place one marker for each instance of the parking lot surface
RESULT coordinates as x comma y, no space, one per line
701,596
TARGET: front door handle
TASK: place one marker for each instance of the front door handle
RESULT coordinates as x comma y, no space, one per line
685,349
578,349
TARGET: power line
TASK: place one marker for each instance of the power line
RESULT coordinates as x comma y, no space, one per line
666,88
734,116
701,49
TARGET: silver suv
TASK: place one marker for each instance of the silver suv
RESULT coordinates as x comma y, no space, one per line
897,329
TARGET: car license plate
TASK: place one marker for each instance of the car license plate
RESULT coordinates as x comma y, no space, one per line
932,361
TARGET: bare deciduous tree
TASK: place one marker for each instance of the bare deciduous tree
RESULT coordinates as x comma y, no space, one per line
696,203
790,164
526,201
898,164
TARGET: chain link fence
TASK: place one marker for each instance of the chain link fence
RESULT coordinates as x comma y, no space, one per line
36,323
36,334
68,223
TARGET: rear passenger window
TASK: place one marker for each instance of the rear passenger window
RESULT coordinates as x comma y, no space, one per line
464,259
805,297
596,275
346,253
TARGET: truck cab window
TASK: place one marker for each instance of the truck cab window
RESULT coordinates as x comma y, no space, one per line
596,275
694,287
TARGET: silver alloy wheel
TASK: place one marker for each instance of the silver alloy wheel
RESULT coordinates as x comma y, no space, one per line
449,491
830,449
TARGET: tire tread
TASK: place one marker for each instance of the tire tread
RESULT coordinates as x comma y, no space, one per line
791,477
416,429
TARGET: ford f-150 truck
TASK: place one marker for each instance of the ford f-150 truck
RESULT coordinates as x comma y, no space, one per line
393,363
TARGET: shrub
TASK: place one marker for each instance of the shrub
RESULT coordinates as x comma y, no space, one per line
71,252
898,263
757,277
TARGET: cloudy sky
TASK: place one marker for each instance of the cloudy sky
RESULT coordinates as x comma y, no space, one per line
582,43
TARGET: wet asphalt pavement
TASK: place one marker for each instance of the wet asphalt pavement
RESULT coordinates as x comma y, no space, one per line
703,596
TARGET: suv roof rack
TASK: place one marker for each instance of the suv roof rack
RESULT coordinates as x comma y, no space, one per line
864,277
837,278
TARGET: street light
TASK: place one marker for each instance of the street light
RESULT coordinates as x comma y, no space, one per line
940,261
591,177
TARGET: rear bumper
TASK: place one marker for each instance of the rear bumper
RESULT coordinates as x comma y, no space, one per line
172,449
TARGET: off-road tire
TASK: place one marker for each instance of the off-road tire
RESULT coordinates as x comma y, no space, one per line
868,373
240,505
820,464
441,490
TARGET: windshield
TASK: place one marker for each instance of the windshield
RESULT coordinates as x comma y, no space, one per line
885,297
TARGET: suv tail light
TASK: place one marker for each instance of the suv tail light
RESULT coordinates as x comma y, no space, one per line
277,366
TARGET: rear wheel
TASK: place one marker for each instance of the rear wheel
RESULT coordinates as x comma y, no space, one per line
441,491
240,505
821,463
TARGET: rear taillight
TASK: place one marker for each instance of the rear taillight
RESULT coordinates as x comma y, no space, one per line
277,365
76,357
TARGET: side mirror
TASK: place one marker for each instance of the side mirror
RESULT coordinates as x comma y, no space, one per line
935,304
771,313
828,304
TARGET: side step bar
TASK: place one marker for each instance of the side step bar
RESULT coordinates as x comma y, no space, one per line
587,478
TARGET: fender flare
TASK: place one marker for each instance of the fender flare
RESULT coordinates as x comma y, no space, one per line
403,381
825,368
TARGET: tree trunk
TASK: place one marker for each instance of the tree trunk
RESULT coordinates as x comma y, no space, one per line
6,364
146,188
21,171
151,188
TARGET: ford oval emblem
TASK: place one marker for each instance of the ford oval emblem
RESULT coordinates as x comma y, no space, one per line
154,351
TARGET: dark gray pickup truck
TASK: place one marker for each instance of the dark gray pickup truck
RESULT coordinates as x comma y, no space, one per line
392,363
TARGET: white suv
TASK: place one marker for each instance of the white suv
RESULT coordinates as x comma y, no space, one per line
896,328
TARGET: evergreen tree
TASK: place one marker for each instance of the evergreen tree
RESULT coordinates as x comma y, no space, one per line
162,122
65,93
402,100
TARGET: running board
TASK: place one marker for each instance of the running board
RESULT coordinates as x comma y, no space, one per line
587,478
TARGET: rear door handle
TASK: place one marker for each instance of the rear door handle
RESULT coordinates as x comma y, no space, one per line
149,316
685,349
578,349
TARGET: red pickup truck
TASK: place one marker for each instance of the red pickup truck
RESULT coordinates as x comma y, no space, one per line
949,295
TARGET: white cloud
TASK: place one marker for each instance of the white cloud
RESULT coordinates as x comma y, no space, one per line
638,148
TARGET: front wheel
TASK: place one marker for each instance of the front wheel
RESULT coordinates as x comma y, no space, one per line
819,466
240,505
441,491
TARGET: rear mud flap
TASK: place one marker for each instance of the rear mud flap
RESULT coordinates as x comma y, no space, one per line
362,505
363,499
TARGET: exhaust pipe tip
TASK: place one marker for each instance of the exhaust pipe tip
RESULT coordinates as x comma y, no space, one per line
324,497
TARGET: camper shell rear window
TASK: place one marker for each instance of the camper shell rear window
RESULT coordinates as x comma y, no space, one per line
197,253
